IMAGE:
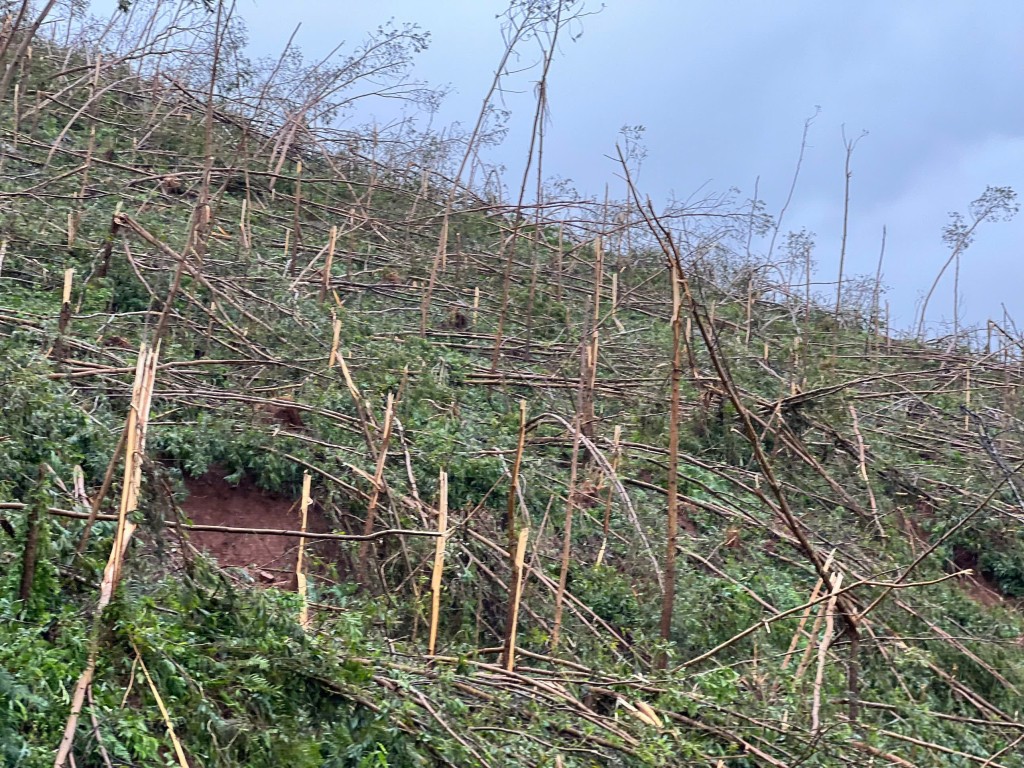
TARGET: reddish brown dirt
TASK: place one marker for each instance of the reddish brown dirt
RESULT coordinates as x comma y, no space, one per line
268,560
977,586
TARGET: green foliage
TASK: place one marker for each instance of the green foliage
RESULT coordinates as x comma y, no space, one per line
1005,566
42,425
245,391
608,594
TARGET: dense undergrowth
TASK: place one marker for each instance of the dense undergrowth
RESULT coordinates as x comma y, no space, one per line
899,460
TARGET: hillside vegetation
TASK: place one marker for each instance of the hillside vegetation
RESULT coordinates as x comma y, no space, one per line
752,528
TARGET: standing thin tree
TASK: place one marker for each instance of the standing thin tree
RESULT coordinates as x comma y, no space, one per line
677,279
850,146
672,486
558,20
995,204
523,20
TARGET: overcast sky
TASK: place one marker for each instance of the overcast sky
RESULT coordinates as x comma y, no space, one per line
723,88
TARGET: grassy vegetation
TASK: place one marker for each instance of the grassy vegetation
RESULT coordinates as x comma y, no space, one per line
812,446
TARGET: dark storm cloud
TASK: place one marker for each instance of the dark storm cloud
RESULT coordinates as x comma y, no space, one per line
723,88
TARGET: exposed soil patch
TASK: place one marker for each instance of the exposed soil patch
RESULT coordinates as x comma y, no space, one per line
976,585
268,560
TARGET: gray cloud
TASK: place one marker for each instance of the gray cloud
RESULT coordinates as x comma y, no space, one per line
723,87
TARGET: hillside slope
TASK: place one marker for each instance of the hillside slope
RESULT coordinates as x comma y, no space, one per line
849,564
